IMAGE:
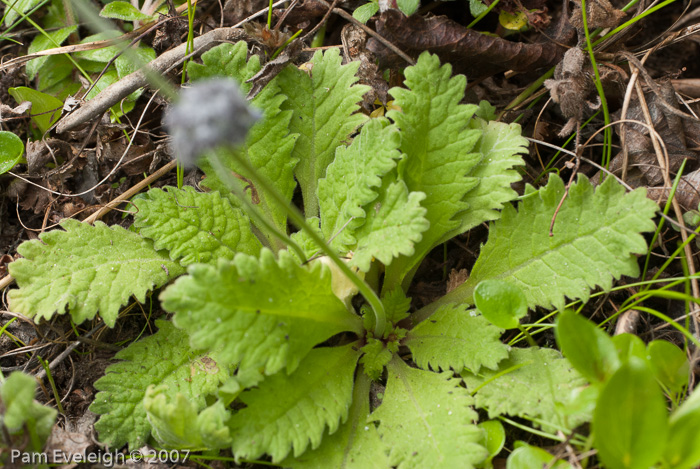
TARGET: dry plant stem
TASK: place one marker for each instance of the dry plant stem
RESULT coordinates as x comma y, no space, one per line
345,15
89,46
663,162
571,179
172,58
115,92
623,116
42,373
322,22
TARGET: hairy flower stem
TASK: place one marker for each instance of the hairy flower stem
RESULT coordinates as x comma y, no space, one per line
228,179
298,219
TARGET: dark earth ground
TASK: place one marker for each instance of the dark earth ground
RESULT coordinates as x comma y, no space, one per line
497,71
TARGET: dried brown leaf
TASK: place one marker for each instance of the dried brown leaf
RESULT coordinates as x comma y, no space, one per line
470,52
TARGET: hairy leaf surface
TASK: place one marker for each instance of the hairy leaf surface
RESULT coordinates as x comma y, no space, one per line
165,359
289,412
440,150
260,312
178,424
538,383
500,146
456,338
194,226
353,179
356,444
596,234
395,224
85,269
426,419
324,103
269,143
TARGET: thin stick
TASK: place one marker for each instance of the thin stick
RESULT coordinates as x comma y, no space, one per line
344,14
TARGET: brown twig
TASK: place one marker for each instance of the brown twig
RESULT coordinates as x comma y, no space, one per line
344,14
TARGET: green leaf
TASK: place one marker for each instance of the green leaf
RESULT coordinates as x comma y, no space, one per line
42,42
269,143
226,60
669,364
194,226
18,8
630,422
324,105
376,355
110,77
396,305
85,269
364,12
353,180
532,383
46,109
426,419
590,350
500,145
55,77
439,148
127,64
477,7
163,359
103,54
316,395
123,11
456,338
356,444
629,345
494,438
531,457
11,151
20,412
394,226
596,234
683,448
408,7
261,312
178,424
501,303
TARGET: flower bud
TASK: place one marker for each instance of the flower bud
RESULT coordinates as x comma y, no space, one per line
209,114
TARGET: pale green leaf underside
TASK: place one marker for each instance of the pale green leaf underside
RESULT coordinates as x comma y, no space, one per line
541,385
85,269
259,311
356,444
324,105
500,146
164,358
596,235
290,412
269,143
353,179
453,337
176,423
395,224
194,226
439,148
21,412
427,420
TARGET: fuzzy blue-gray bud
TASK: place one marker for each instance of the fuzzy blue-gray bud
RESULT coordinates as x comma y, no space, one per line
209,114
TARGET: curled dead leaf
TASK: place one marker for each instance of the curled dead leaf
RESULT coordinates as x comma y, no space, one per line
470,52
